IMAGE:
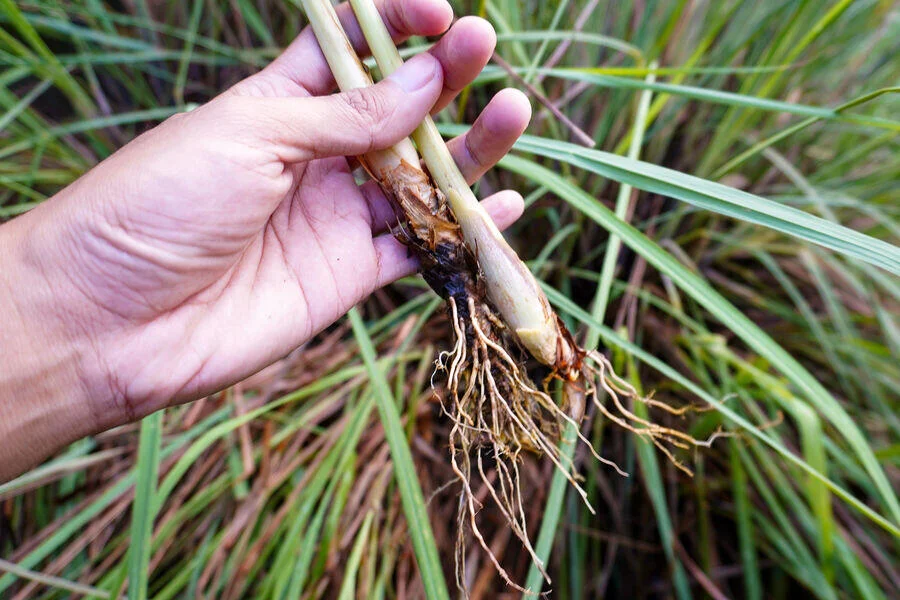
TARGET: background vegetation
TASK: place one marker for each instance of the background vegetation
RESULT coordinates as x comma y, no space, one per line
731,241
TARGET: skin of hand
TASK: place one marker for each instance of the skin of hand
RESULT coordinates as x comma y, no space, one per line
221,240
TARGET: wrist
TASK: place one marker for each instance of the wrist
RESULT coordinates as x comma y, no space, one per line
45,399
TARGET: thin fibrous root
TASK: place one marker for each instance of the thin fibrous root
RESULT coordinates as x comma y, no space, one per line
497,412
616,388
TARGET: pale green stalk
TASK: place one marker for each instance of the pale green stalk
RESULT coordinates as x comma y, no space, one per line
614,244
349,72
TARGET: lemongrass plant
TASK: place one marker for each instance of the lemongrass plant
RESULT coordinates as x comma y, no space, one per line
499,313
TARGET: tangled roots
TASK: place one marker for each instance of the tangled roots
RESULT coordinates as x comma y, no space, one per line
497,413
600,371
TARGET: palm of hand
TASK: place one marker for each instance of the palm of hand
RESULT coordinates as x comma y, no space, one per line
202,283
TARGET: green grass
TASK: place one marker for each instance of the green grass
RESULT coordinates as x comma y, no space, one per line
143,514
405,471
731,242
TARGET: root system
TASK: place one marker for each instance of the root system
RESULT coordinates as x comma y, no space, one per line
497,410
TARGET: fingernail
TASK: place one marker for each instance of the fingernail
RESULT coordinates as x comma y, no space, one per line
415,73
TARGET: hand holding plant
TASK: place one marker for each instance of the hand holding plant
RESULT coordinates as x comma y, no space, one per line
219,241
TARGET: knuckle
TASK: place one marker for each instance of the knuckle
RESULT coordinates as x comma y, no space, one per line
474,152
366,103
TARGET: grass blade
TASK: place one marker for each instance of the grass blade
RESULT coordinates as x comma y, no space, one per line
404,469
559,484
653,482
53,582
613,339
721,199
143,513
746,543
349,585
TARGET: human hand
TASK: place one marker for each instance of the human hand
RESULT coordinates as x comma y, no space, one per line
219,241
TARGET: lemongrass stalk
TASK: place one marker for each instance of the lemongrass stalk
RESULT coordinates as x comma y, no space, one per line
350,74
510,285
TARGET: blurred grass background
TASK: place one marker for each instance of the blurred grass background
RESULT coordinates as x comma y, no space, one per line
731,242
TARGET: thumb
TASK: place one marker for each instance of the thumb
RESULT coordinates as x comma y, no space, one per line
353,122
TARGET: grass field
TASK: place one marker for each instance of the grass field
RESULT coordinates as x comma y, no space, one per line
730,243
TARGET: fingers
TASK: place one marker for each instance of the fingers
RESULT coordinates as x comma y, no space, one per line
463,52
495,130
403,18
346,124
395,261
504,207
492,135
304,64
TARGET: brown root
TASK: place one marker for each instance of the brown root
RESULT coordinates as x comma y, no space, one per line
497,413
599,369
496,410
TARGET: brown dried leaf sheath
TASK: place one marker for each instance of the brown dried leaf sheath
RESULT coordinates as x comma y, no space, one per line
430,231
450,268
